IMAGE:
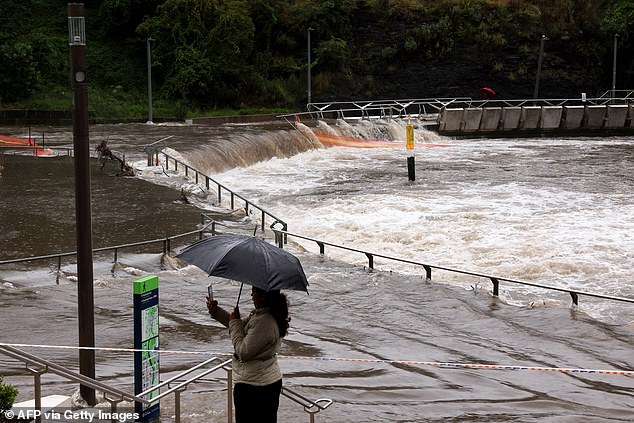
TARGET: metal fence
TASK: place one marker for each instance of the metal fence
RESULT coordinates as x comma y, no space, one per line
495,280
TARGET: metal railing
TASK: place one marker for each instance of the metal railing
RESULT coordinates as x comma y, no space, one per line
220,188
495,280
20,149
39,366
152,150
114,249
174,385
426,108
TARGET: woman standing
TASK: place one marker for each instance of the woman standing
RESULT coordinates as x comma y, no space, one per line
256,341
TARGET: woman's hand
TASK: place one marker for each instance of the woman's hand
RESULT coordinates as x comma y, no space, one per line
212,306
235,314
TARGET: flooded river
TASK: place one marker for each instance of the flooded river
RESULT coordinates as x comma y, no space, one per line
556,212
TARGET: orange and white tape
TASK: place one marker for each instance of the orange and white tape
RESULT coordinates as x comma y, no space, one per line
445,365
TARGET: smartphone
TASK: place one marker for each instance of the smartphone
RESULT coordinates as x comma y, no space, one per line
210,291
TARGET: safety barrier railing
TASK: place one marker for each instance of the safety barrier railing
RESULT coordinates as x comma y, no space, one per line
152,150
174,385
426,108
39,366
166,242
220,188
20,149
495,280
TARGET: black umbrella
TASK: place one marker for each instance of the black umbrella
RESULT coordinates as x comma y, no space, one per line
249,260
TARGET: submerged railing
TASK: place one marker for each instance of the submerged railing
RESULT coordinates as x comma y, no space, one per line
166,242
220,188
495,280
174,385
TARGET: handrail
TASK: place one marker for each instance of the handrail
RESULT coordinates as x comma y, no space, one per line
166,248
68,150
220,188
43,366
495,280
152,151
419,107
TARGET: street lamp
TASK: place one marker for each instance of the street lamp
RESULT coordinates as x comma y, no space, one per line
83,217
539,66
309,64
149,81
616,36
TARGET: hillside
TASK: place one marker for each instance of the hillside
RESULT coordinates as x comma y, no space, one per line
209,54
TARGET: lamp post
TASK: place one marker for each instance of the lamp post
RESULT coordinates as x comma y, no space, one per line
308,71
616,36
149,80
83,226
539,66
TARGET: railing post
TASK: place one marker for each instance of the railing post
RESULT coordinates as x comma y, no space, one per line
575,298
427,271
177,406
370,260
496,287
115,255
229,395
207,182
167,162
219,194
321,247
263,217
37,391
232,200
196,177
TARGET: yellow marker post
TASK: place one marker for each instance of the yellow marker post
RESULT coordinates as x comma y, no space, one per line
411,166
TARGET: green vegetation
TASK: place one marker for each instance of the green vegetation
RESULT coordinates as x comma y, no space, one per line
225,56
7,396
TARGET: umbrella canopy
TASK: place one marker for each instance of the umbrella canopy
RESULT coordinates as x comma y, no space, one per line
249,260
487,93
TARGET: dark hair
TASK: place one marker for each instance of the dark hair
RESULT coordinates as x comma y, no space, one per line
279,309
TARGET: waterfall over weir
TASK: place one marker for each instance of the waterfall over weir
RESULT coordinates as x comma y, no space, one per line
246,147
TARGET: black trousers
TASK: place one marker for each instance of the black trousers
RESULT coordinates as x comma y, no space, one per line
257,404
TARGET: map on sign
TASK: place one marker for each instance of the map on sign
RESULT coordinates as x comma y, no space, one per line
150,322
151,365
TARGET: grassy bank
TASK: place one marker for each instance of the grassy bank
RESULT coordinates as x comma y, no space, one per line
115,104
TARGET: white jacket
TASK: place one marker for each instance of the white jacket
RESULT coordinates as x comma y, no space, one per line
256,342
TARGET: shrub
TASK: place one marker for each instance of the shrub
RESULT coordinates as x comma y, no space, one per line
7,396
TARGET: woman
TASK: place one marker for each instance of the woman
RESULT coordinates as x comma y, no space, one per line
256,341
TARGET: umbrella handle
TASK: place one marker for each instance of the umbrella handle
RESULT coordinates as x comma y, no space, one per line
239,294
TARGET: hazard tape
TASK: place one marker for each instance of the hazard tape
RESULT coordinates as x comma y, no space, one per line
446,365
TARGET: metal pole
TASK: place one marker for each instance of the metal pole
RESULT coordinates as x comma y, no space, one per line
85,296
149,80
310,100
539,66
616,36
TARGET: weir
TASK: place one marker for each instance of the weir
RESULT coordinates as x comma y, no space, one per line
466,116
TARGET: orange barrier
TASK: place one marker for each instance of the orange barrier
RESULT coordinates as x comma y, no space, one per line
38,151
336,140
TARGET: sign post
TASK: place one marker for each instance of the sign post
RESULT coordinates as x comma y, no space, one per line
146,338
411,166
